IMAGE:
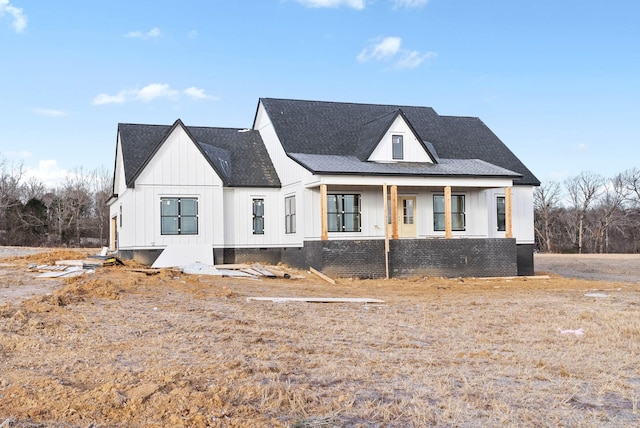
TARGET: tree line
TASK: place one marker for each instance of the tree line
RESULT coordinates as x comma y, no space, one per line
589,213
74,213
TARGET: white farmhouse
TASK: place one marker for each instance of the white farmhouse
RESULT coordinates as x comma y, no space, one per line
361,190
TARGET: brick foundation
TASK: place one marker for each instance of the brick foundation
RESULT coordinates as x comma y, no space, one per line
366,258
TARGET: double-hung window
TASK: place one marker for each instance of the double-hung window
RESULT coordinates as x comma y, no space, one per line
343,213
397,148
258,216
501,214
457,213
179,216
290,214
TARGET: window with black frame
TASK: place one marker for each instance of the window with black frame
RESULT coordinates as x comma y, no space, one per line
343,213
501,214
258,216
458,221
179,216
397,147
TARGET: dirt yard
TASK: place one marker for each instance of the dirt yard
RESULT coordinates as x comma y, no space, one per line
120,348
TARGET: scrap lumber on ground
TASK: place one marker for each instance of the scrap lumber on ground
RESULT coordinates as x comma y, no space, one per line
323,276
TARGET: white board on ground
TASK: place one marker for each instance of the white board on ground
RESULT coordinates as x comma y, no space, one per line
317,299
200,269
176,255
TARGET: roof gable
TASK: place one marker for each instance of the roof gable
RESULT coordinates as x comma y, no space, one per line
413,149
238,156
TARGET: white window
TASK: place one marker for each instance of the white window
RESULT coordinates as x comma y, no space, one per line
397,147
290,214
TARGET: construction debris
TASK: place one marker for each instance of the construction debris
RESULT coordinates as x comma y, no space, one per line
77,267
177,255
68,272
323,276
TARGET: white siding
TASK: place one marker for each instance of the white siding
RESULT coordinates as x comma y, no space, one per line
413,150
477,213
522,212
119,184
239,218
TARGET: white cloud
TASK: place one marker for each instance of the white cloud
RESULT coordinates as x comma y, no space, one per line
48,172
409,4
192,34
19,18
390,48
101,99
151,34
156,90
198,93
354,4
581,147
50,112
412,59
150,93
381,49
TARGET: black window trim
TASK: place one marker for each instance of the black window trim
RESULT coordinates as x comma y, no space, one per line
179,216
342,213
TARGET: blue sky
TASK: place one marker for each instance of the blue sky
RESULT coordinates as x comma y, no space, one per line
557,80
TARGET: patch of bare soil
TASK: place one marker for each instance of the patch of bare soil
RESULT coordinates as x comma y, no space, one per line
126,349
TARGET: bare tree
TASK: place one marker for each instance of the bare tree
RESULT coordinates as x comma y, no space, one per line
76,201
583,190
546,200
630,181
608,206
101,183
33,188
10,194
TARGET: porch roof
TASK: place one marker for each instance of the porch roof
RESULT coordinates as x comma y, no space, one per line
351,165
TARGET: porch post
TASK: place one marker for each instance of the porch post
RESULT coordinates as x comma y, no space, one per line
394,212
324,234
447,213
508,224
386,229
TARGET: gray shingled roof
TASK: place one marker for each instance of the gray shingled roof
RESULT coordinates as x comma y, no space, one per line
349,129
238,156
337,164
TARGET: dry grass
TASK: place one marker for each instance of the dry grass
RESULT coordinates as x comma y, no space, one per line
124,349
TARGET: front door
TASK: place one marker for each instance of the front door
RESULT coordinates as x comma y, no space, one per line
407,216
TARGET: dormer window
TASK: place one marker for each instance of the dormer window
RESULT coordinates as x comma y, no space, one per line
396,147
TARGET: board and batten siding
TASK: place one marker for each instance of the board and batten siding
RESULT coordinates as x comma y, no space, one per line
238,218
480,212
177,169
523,214
119,183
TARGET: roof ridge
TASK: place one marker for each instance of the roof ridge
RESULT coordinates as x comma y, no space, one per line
398,106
